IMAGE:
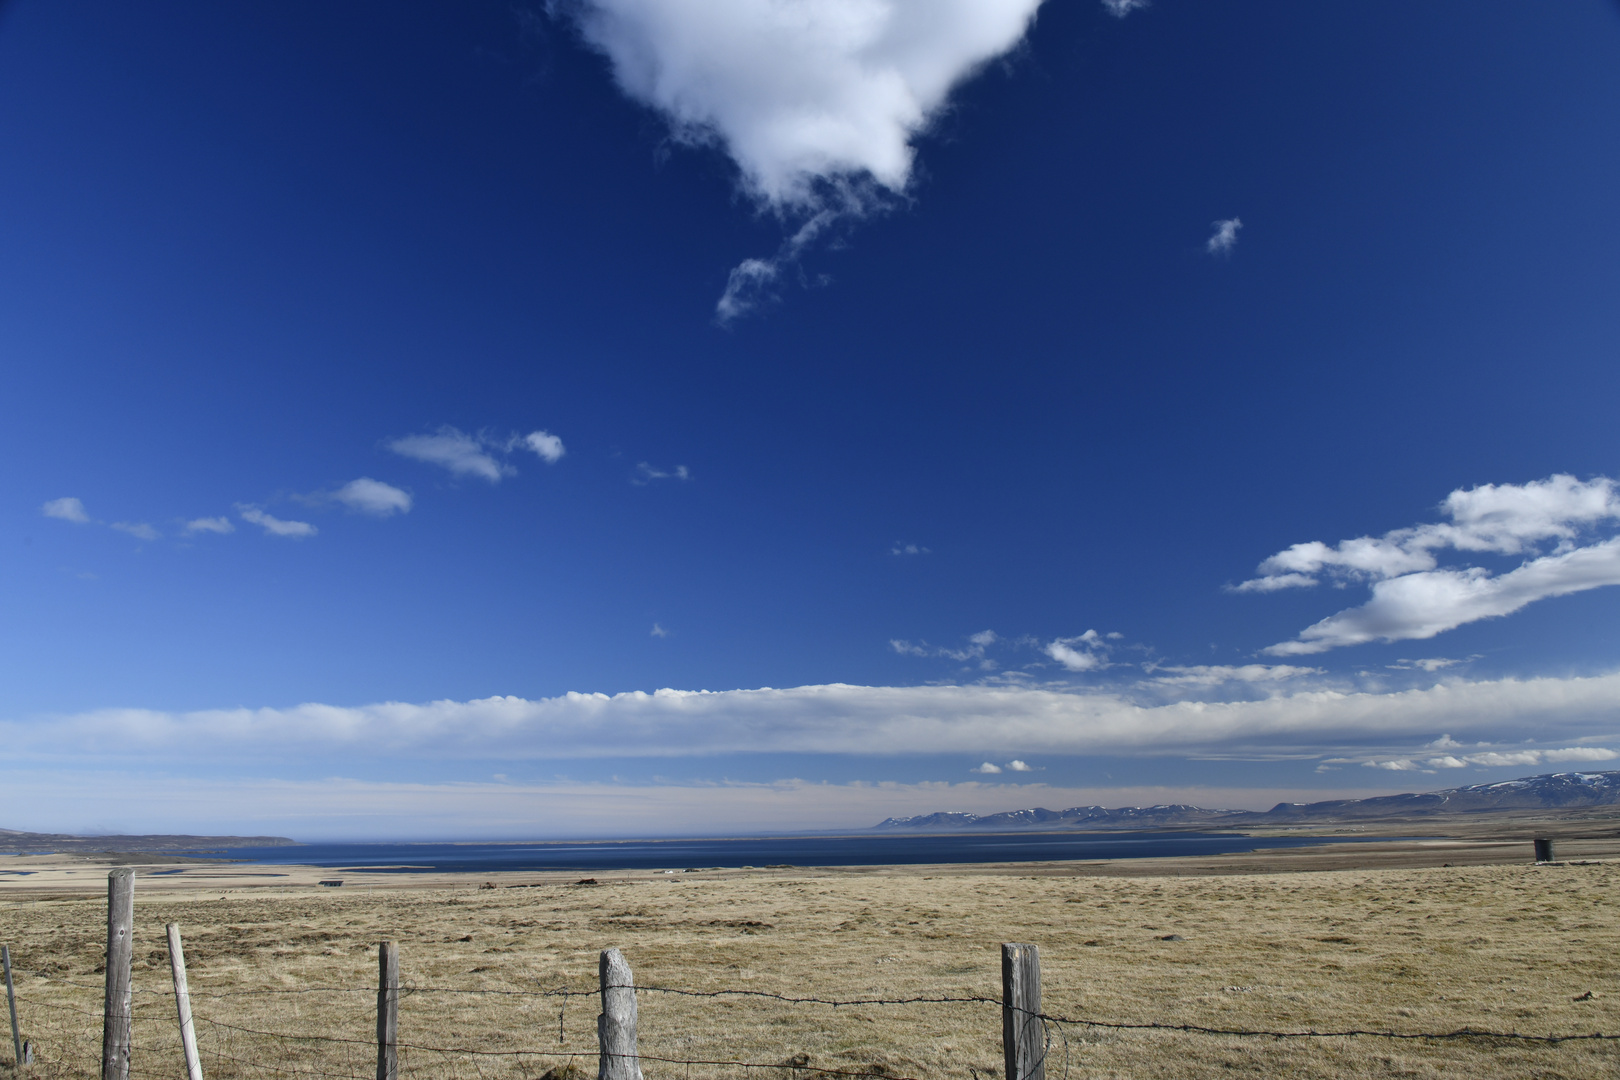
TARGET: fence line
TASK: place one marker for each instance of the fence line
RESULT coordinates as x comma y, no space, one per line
1027,1047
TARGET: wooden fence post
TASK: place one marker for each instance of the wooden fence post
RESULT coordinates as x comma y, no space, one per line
1023,1035
387,1011
616,1027
1544,850
11,1004
182,1002
115,1027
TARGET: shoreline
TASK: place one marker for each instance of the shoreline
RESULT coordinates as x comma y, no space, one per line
77,874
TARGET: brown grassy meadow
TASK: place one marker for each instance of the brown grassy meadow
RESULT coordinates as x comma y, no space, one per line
1506,948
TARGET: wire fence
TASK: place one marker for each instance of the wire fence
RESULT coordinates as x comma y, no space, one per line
482,1033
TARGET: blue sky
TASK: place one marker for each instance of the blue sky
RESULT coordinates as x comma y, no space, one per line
1185,402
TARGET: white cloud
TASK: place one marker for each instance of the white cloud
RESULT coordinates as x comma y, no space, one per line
1088,652
981,721
908,549
1431,664
140,530
1498,759
1121,8
1424,604
799,94
1224,239
988,768
210,524
1275,583
974,650
66,509
1018,766
1581,753
659,631
340,808
1414,598
817,102
455,450
645,473
1216,674
373,497
548,446
275,526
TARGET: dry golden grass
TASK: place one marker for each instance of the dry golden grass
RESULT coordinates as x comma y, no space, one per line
1508,948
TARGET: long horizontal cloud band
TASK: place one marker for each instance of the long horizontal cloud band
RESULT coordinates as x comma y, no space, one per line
844,719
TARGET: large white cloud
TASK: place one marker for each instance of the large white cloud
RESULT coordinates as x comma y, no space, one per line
1413,597
817,102
799,92
981,721
1424,604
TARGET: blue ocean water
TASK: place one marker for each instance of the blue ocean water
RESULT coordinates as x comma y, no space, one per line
876,850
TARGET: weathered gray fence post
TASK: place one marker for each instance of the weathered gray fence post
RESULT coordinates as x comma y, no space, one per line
616,1027
11,1004
115,1026
387,1011
1023,1036
1544,850
182,1002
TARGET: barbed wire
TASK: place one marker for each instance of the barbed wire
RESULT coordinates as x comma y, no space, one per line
1311,1033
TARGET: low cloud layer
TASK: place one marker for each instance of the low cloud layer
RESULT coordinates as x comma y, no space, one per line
1556,523
979,722
816,102
341,808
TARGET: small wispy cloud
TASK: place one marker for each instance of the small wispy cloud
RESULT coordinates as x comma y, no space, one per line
1431,664
66,508
548,446
1087,652
1224,239
908,549
989,768
453,449
1121,8
219,525
1018,766
646,474
659,632
140,530
374,497
274,526
973,650
482,455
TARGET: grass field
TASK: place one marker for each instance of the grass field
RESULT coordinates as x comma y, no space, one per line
1508,948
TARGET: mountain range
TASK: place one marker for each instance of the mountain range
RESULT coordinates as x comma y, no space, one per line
14,842
1550,791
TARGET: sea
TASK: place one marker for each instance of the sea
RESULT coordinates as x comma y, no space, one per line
681,855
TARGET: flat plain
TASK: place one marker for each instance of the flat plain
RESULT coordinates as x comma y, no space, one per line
283,971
